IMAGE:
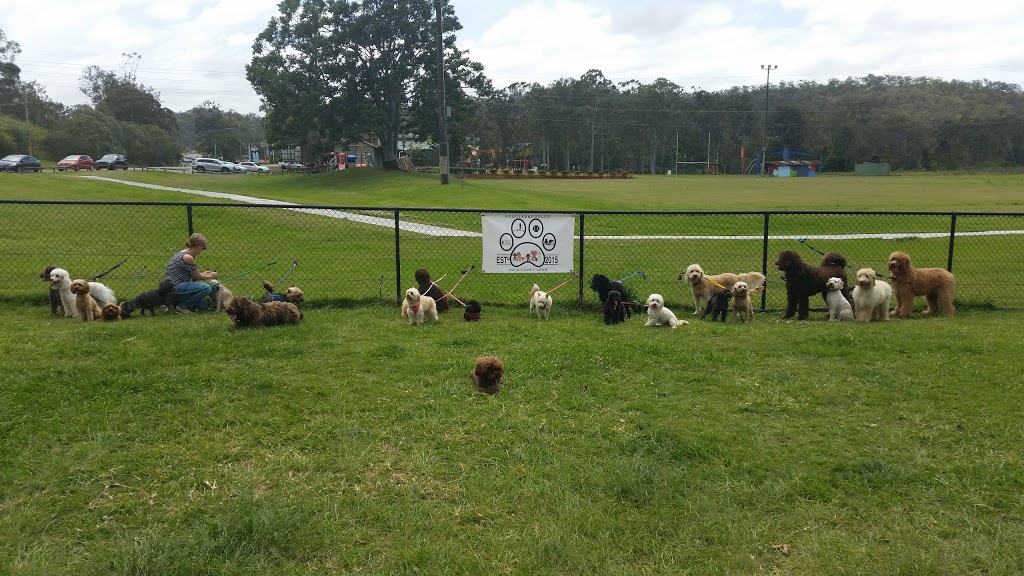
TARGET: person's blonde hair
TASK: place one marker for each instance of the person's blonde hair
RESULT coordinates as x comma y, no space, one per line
196,240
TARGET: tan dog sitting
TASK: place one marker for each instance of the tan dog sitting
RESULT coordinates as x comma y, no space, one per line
88,309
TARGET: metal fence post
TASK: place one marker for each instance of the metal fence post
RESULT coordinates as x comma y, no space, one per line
952,236
579,298
188,211
764,263
398,263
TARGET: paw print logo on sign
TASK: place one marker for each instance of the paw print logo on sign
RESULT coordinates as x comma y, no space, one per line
526,242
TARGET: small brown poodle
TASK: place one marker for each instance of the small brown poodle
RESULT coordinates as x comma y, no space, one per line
935,284
88,309
248,314
804,280
110,312
427,287
488,374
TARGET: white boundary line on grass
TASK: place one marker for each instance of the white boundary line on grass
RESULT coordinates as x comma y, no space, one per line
440,231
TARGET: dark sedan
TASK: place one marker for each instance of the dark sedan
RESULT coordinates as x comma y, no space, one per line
111,162
20,163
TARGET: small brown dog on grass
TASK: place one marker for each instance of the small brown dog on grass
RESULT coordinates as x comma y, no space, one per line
935,284
88,309
292,294
110,313
245,313
488,374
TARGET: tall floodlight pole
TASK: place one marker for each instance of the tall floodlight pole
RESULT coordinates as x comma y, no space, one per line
764,136
442,124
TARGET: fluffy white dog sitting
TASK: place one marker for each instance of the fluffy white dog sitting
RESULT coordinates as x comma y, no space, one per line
838,306
871,297
658,315
60,280
418,308
540,300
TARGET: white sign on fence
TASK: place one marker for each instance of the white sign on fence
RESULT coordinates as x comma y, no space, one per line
528,242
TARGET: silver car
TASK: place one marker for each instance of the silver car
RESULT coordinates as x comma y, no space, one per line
202,165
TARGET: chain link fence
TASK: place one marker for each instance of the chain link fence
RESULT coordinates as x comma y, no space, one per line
366,255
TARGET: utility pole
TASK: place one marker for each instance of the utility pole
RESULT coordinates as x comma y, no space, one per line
764,136
28,127
442,123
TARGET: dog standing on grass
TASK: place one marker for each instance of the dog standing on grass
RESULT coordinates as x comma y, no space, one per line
418,308
742,306
540,300
935,284
871,297
718,305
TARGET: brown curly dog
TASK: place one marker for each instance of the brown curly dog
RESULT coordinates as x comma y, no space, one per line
804,280
488,374
427,287
935,284
248,314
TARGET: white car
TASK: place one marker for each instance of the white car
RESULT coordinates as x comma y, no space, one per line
253,167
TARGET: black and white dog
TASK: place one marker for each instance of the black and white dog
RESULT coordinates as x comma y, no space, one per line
604,286
472,313
718,305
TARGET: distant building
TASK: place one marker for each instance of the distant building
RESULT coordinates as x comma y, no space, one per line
871,169
786,168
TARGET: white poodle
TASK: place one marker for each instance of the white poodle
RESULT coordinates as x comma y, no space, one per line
60,280
658,315
838,306
871,297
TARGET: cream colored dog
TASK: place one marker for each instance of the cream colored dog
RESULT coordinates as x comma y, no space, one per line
743,308
871,297
418,308
60,280
838,306
658,315
703,286
540,300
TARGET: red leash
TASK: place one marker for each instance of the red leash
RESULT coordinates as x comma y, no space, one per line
574,275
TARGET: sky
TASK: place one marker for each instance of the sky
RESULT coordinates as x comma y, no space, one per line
193,51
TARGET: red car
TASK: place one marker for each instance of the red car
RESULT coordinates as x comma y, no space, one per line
75,162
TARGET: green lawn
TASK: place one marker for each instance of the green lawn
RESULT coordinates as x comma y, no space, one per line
355,443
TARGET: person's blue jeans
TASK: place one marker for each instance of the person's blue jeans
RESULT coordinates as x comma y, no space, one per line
192,295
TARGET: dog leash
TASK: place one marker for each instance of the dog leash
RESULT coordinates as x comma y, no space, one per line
574,275
804,242
637,273
294,264
112,268
464,274
233,277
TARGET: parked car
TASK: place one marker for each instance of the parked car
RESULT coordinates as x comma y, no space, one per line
202,165
75,162
20,163
235,166
253,167
111,162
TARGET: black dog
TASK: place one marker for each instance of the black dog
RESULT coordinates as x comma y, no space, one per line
614,309
718,305
162,295
472,312
55,302
804,280
603,286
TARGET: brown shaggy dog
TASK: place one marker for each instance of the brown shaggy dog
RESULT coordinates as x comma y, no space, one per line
111,312
427,287
488,374
804,280
88,309
935,284
248,314
703,286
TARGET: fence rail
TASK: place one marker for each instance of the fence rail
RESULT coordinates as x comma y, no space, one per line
359,254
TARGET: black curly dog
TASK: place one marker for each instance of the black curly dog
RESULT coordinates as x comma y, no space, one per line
149,300
804,280
472,312
603,286
614,308
718,305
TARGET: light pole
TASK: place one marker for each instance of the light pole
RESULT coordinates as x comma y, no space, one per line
442,145
764,136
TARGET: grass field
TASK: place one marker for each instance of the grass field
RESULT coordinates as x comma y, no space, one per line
355,443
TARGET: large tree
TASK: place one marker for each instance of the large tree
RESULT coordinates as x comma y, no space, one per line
125,99
336,71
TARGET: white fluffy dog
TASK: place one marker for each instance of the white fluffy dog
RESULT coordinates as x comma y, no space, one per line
540,300
703,286
838,306
658,315
871,297
60,280
418,308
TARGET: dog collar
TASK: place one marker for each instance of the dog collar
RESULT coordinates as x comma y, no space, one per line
415,308
473,315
